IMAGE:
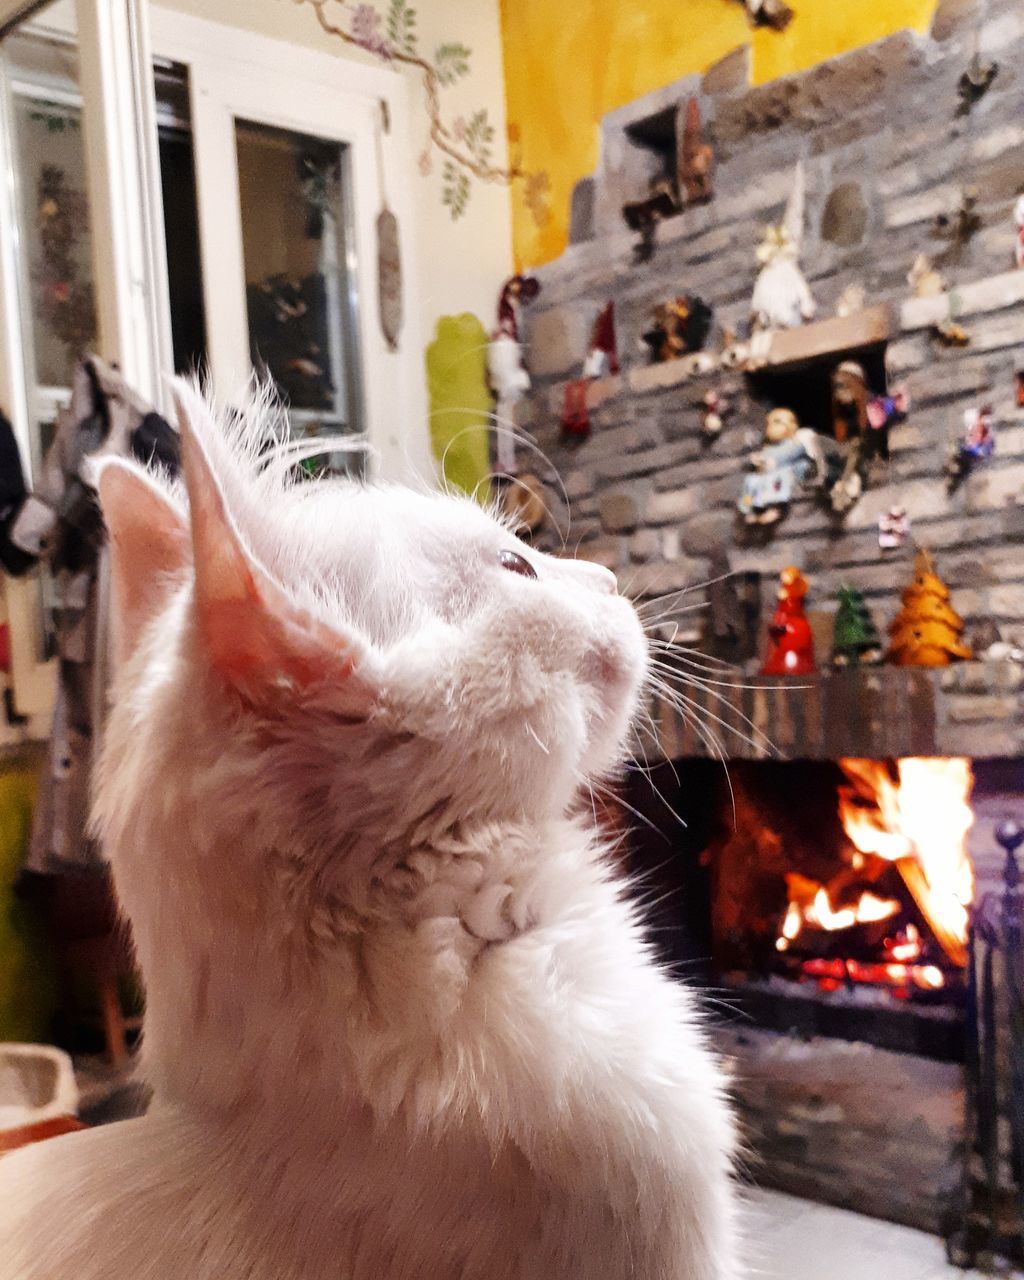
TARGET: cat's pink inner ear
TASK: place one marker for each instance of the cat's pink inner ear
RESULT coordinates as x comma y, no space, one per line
253,633
149,549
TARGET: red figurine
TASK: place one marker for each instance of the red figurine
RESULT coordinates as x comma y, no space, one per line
791,652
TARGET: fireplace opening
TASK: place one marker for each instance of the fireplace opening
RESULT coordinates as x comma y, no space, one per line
826,898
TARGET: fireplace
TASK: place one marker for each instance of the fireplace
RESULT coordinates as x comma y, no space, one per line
839,895
820,907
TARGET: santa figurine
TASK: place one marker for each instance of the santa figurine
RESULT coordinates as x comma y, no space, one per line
791,642
505,369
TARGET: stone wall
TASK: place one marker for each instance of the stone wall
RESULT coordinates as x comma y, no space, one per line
849,1124
654,500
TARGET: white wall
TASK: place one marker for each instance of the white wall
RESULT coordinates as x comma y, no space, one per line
463,263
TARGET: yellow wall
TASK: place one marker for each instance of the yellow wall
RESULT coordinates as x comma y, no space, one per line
567,65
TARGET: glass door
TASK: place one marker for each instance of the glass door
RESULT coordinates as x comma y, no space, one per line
78,230
292,171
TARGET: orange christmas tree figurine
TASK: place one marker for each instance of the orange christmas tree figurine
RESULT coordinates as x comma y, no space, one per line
791,652
927,631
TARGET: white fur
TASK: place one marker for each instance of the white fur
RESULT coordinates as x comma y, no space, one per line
401,1023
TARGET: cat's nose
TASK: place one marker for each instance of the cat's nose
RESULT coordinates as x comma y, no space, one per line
598,577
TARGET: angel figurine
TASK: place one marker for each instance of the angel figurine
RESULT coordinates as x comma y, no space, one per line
791,455
782,299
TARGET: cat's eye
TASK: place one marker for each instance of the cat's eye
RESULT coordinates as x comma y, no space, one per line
515,563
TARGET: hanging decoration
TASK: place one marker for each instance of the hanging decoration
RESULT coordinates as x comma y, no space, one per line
460,403
927,631
977,443
696,159
389,254
466,145
717,406
680,327
855,638
790,456
603,356
782,299
893,528
791,642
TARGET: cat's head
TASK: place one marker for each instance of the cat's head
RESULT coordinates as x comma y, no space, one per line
363,655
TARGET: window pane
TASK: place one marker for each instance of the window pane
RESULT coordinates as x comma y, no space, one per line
52,207
299,275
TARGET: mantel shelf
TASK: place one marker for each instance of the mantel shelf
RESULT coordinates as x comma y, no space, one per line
825,339
972,709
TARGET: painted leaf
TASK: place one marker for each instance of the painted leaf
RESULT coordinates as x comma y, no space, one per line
401,26
451,62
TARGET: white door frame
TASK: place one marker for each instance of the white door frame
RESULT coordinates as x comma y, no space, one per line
236,73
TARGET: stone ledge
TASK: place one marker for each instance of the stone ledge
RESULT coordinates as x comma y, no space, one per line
994,293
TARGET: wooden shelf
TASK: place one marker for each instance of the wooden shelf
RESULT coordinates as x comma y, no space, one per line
791,348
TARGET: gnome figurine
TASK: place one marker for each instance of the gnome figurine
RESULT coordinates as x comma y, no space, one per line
603,356
781,297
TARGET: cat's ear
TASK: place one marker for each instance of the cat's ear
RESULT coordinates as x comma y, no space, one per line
254,634
149,547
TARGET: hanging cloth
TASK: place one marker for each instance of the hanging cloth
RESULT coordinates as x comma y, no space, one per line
61,524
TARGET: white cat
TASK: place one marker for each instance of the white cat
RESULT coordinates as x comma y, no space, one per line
401,1023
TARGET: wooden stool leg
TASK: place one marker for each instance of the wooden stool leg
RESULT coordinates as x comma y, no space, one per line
113,1020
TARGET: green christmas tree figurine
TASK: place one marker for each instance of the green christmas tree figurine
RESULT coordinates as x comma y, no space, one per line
855,640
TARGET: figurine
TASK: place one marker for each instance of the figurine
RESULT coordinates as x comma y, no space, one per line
644,215
885,411
965,221
893,528
1018,217
695,161
851,300
927,631
603,357
717,407
791,649
680,326
975,83
781,297
575,415
849,401
855,638
1020,388
791,455
506,371
978,443
775,14
952,334
924,280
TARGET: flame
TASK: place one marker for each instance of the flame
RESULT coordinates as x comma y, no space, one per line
918,821
921,823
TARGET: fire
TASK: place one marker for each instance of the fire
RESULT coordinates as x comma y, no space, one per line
918,821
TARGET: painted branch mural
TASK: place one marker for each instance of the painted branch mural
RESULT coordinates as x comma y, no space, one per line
466,145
